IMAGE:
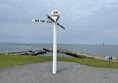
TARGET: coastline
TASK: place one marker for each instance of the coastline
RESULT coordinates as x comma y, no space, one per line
94,49
65,52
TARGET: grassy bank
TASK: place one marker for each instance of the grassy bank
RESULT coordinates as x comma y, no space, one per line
13,60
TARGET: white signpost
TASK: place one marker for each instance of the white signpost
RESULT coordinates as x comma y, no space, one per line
53,18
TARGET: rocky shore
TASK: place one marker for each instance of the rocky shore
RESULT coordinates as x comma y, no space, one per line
67,52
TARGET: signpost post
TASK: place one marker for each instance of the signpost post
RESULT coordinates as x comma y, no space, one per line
53,18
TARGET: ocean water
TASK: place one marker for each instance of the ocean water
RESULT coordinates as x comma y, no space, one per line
106,50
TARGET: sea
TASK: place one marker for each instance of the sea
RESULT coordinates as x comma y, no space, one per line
95,49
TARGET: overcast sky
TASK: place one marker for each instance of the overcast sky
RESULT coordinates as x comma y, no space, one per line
86,21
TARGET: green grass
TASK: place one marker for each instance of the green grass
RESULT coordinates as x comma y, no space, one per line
91,62
14,60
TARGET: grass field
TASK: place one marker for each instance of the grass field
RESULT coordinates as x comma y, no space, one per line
14,60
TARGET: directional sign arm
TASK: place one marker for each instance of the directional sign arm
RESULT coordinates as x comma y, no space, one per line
57,19
50,18
41,21
61,26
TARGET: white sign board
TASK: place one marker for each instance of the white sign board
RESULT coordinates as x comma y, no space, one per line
55,14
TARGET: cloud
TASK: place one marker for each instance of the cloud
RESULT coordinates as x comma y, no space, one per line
81,18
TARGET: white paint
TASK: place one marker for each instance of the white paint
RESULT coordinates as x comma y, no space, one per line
54,67
55,16
55,12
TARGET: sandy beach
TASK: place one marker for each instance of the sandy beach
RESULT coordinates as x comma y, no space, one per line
67,73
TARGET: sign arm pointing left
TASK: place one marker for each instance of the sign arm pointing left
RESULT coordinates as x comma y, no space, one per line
41,21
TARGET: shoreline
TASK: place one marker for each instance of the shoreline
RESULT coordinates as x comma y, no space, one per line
97,49
64,51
